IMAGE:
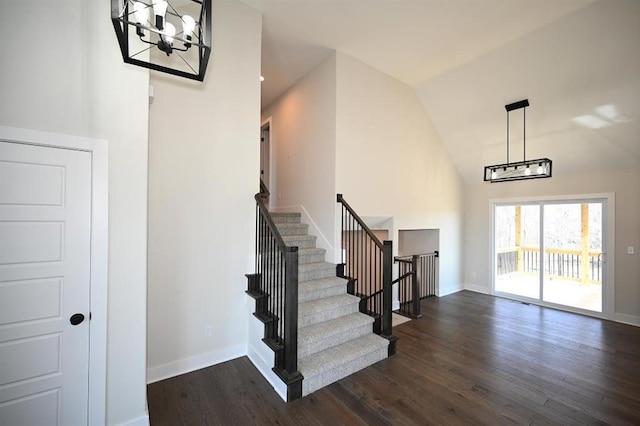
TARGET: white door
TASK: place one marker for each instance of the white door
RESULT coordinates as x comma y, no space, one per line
45,232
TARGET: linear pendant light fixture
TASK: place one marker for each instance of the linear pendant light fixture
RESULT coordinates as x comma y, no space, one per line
184,42
526,169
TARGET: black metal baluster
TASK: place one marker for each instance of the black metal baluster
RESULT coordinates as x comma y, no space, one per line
434,273
281,294
277,284
342,236
368,256
272,288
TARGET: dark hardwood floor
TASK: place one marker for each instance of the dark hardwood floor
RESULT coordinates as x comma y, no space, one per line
472,359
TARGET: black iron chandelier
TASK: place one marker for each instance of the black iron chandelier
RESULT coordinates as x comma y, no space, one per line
526,169
185,41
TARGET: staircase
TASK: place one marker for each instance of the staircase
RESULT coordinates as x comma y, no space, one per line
334,338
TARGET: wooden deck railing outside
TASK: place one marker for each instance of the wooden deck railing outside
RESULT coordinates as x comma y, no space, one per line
558,263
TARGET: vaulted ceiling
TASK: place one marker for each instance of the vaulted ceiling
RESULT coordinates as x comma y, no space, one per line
577,61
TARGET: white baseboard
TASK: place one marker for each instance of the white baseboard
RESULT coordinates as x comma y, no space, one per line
187,365
265,369
449,290
262,357
622,318
627,319
140,421
477,288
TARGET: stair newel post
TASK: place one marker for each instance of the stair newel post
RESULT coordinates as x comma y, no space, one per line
387,263
291,311
415,286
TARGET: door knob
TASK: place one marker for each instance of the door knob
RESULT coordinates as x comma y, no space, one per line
76,319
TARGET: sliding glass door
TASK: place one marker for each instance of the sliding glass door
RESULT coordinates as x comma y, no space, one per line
517,242
551,252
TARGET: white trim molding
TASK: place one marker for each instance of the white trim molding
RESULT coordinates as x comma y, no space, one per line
322,241
445,291
193,363
627,319
477,288
608,200
262,357
99,251
140,421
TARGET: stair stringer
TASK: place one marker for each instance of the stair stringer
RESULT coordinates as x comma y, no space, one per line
263,358
265,349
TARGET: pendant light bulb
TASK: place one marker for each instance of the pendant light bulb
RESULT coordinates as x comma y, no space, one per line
141,12
527,171
169,33
141,15
540,169
494,174
160,9
188,25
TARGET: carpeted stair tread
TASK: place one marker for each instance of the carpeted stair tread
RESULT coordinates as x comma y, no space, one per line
321,288
293,228
284,217
316,311
324,335
310,255
305,255
315,271
315,289
330,365
301,241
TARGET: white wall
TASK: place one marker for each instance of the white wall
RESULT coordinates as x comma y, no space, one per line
624,184
303,150
203,174
44,88
418,241
390,162
70,78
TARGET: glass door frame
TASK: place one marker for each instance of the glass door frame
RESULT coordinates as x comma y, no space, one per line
608,237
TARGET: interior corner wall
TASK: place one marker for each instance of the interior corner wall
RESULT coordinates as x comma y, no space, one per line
303,149
390,161
623,183
203,174
76,83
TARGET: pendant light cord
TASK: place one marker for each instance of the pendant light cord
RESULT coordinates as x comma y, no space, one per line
507,137
524,133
